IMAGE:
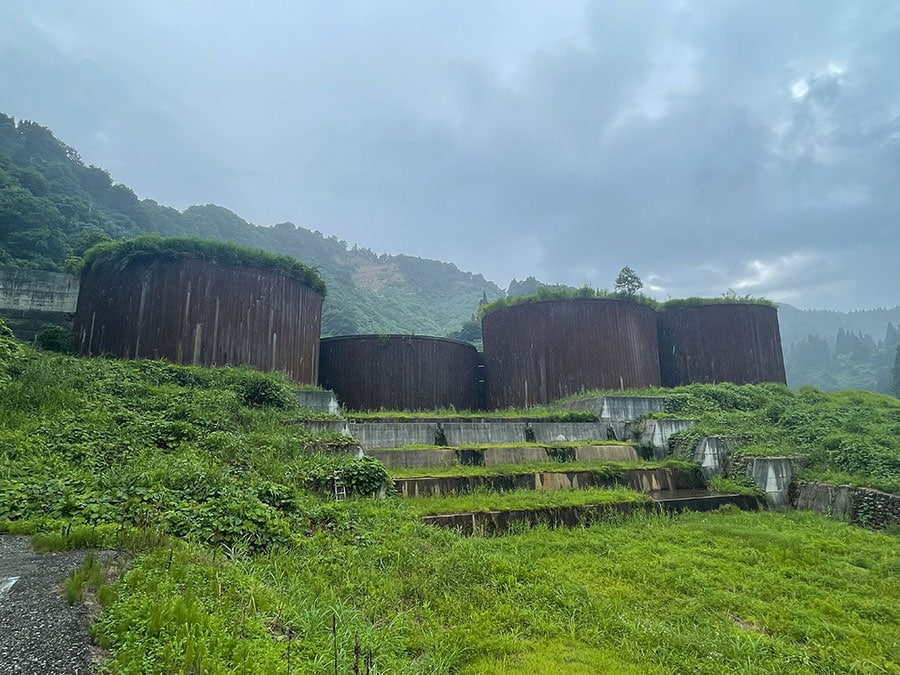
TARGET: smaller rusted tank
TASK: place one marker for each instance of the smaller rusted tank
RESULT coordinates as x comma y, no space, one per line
541,351
719,342
400,372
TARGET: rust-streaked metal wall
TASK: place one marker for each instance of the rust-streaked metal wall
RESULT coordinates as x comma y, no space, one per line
193,311
539,352
728,342
400,372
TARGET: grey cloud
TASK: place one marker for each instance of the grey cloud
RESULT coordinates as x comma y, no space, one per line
563,140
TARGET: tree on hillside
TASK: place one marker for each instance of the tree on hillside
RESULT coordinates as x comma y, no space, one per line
628,282
895,381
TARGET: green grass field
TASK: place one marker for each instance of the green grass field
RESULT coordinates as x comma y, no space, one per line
731,592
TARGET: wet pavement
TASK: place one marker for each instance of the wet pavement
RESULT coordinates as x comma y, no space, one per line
40,633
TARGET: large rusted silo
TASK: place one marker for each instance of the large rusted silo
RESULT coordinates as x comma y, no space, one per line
538,352
201,303
719,342
400,372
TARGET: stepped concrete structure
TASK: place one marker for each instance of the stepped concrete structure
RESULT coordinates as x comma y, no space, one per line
453,432
412,458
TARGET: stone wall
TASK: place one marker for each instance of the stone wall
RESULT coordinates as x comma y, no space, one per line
863,506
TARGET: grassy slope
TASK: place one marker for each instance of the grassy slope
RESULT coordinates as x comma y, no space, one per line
701,593
237,561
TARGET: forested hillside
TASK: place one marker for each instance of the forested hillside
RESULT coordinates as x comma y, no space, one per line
53,206
844,358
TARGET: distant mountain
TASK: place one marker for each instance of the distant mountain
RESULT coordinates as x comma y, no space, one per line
53,207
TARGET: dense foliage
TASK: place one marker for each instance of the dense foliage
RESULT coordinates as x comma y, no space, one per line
198,453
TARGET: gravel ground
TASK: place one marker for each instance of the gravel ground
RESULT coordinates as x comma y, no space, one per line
40,633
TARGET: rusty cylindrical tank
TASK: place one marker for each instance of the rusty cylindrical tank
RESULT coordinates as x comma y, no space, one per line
538,352
202,312
720,342
400,372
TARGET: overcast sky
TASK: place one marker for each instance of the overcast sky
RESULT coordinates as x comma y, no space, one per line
746,145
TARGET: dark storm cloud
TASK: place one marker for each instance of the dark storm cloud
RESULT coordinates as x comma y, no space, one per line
745,145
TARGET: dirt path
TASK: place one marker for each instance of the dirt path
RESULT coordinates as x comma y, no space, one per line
40,633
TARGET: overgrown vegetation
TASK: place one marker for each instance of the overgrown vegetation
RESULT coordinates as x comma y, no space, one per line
546,293
854,433
627,289
196,453
678,303
243,562
710,593
152,247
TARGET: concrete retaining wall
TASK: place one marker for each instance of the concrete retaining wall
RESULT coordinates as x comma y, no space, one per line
621,408
657,433
863,506
643,480
326,426
712,454
606,453
497,522
320,401
774,475
497,456
37,290
415,459
395,434
412,459
32,299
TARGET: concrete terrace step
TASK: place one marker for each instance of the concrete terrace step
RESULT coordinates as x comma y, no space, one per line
498,522
619,408
676,501
642,480
392,434
400,458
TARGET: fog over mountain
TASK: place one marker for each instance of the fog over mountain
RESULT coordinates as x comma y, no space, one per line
745,145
